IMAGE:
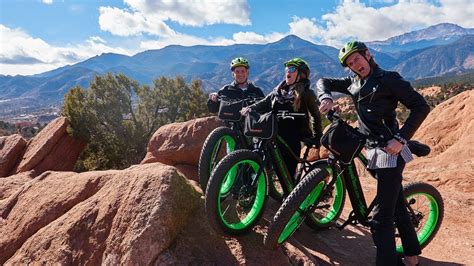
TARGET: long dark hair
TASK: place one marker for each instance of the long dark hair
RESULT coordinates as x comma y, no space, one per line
300,86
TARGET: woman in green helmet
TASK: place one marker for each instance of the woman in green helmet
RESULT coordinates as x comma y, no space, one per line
293,94
376,94
239,89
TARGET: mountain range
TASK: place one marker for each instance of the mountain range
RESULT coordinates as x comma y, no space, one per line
434,51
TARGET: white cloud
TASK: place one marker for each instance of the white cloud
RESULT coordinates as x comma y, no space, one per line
25,55
150,17
189,40
181,39
252,37
353,19
350,20
48,2
195,12
305,28
123,23
97,39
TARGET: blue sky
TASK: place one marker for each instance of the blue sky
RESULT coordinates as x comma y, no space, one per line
40,35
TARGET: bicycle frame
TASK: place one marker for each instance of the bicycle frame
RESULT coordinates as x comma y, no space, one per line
237,126
269,151
360,211
241,138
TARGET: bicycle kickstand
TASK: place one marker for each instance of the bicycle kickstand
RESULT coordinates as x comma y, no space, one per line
351,220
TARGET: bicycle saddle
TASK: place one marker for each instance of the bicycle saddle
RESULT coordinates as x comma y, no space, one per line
418,148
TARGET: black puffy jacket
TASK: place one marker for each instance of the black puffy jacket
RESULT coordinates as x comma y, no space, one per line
376,99
232,91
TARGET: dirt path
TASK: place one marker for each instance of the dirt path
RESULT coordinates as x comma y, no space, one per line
198,244
453,245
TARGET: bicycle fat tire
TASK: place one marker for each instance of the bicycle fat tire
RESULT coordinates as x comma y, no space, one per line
222,187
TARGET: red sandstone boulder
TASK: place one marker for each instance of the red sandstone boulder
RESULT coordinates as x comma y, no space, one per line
51,149
10,185
448,130
11,150
112,217
180,143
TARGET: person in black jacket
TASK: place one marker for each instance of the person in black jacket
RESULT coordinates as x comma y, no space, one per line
239,89
294,95
376,93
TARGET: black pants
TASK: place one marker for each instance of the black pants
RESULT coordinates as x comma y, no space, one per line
389,210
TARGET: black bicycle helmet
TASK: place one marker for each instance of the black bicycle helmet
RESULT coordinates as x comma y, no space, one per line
300,64
350,48
239,61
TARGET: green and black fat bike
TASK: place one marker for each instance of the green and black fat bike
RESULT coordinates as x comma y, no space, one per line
237,190
423,201
225,139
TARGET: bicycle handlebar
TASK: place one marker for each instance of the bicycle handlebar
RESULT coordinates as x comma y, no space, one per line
246,100
332,115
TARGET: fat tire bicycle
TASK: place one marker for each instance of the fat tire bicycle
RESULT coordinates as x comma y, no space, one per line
222,141
424,202
237,190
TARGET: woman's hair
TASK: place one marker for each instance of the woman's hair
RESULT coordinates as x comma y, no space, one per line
299,90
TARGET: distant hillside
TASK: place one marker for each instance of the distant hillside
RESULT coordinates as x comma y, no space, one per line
467,78
210,64
443,33
454,58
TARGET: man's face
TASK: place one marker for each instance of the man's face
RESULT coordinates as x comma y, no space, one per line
240,74
358,64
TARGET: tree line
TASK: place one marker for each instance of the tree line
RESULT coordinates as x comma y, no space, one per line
117,116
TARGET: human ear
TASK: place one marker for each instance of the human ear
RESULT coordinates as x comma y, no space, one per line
367,54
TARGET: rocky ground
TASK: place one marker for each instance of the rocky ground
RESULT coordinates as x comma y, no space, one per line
153,213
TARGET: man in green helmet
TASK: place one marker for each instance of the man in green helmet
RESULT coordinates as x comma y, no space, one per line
293,94
376,93
239,89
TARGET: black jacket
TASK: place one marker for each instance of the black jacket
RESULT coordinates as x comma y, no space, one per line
232,91
376,99
307,127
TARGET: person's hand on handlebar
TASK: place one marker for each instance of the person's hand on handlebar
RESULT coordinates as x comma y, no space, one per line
245,111
213,96
326,105
393,147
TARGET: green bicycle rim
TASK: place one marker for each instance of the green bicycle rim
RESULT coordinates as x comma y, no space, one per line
298,216
336,207
230,146
259,196
425,233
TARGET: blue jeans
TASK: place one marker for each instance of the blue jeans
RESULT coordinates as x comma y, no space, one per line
390,210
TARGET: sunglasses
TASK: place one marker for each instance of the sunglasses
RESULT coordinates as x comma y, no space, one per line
291,69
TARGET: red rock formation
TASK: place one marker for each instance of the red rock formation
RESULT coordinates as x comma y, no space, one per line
150,214
11,150
180,144
448,130
52,149
430,91
10,185
113,217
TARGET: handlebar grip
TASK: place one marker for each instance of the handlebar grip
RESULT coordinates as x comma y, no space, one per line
332,115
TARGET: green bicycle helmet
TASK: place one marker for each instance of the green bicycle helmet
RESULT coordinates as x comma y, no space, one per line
350,48
300,64
239,61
